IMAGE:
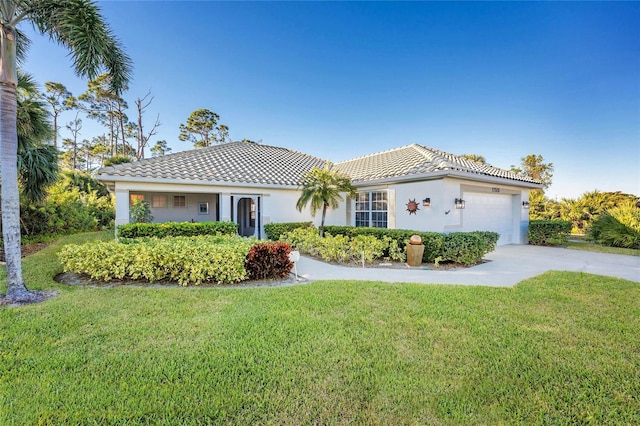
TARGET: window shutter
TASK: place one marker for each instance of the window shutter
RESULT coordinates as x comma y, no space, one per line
391,209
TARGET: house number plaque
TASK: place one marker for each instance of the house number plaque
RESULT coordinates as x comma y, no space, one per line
495,189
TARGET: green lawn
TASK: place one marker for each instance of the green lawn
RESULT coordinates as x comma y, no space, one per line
589,246
561,348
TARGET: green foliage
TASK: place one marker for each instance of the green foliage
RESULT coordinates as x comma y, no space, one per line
140,212
176,229
322,188
275,230
534,166
187,260
203,129
343,248
117,159
548,232
468,248
618,227
75,203
269,260
432,241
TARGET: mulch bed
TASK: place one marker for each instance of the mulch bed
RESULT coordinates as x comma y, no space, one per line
27,249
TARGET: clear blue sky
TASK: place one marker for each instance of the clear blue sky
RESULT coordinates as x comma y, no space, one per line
340,80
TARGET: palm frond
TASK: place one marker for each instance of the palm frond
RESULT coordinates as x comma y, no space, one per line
79,26
37,169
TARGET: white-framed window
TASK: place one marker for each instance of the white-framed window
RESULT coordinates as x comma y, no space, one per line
203,208
179,201
159,201
135,197
372,209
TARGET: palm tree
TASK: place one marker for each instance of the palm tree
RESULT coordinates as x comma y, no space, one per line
77,25
322,188
37,161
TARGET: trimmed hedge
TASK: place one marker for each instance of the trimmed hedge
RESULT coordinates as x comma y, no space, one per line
468,248
276,230
187,260
548,232
433,241
176,229
268,260
343,248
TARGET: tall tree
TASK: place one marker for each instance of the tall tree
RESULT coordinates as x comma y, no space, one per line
60,100
77,25
534,166
143,138
475,157
322,188
202,128
74,127
160,148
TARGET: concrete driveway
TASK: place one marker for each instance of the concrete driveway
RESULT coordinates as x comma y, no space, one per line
506,266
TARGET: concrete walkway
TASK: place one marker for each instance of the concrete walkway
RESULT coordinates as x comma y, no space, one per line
507,266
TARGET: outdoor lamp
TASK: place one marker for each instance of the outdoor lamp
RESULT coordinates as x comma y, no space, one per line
525,204
426,202
459,202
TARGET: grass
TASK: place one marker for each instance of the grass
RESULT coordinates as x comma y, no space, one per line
560,348
589,246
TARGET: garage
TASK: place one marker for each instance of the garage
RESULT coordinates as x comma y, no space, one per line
489,212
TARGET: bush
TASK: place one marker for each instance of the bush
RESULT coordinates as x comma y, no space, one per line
176,229
268,260
468,248
548,232
275,230
342,248
432,241
187,260
617,227
140,212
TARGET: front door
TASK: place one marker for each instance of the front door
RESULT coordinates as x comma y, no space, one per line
248,216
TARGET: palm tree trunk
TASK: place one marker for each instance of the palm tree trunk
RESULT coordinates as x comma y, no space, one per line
10,203
325,206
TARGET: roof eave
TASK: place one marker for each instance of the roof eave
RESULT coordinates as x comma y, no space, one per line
448,173
112,180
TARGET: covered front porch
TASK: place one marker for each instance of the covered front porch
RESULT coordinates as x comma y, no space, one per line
182,206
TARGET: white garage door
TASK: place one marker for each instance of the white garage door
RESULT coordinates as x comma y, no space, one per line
489,212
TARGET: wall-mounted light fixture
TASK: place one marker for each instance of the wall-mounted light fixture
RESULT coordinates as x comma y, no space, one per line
525,204
426,202
459,202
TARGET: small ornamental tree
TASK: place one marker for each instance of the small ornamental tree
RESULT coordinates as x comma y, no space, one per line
322,188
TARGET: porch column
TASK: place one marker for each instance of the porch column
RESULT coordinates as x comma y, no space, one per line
122,207
225,207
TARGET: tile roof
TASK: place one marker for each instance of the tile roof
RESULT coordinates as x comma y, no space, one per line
417,160
251,163
235,162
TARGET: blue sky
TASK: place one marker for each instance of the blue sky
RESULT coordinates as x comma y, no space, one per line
344,79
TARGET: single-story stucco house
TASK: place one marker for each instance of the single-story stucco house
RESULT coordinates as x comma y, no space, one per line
255,184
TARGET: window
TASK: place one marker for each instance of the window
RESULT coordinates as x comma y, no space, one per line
203,208
159,201
179,201
135,197
371,209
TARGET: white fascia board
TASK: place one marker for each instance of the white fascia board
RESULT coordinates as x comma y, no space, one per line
111,180
447,173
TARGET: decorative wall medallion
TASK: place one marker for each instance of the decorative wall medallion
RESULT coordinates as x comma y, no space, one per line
412,206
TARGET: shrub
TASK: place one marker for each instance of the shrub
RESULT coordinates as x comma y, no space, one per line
468,248
140,212
176,229
187,260
268,260
548,232
617,227
432,241
275,230
342,248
